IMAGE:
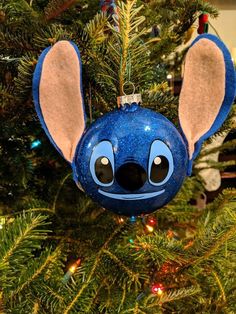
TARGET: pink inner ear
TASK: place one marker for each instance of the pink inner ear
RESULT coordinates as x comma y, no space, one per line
60,97
203,90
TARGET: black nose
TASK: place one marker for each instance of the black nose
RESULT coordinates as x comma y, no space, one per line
131,176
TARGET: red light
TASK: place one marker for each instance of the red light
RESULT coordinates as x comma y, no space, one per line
152,221
157,288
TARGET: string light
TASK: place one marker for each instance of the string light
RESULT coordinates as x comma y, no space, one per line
152,221
172,235
188,245
35,144
149,223
157,288
71,271
132,219
120,220
150,228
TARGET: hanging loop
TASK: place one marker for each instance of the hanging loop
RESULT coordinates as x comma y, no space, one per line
129,99
126,83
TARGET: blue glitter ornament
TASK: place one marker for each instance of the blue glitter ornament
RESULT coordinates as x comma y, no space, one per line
131,167
133,160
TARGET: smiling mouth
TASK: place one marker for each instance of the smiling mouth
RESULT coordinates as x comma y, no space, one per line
131,197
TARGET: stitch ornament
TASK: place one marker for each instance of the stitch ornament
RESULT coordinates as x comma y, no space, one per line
133,160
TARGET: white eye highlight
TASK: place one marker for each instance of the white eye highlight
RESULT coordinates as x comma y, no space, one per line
104,161
157,160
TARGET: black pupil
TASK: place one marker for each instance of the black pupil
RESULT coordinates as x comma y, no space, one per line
103,170
159,170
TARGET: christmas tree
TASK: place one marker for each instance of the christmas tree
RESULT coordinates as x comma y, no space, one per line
59,251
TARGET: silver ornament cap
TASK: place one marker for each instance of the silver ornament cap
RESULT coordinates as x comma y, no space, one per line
129,100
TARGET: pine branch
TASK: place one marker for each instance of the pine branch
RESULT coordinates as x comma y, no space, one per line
128,24
18,241
59,190
174,295
159,248
51,296
133,277
91,306
55,7
219,284
6,96
23,81
34,270
25,228
215,229
72,303
95,31
211,164
215,247
222,148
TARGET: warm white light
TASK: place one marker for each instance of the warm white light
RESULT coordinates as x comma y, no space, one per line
120,220
169,76
159,291
149,228
1,226
72,268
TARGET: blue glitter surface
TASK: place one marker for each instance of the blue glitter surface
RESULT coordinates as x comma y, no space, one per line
131,131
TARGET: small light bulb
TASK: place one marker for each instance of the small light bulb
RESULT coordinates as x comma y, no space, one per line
159,291
170,234
120,220
72,269
35,144
149,228
132,219
152,221
169,77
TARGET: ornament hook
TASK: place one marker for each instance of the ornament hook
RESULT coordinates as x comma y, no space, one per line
128,99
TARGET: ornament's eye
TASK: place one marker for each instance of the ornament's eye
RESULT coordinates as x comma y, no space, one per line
103,170
161,165
159,169
102,164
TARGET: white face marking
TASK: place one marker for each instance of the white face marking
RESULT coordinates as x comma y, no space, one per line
157,160
131,197
104,161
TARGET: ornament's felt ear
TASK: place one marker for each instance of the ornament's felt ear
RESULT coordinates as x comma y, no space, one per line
207,93
57,93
